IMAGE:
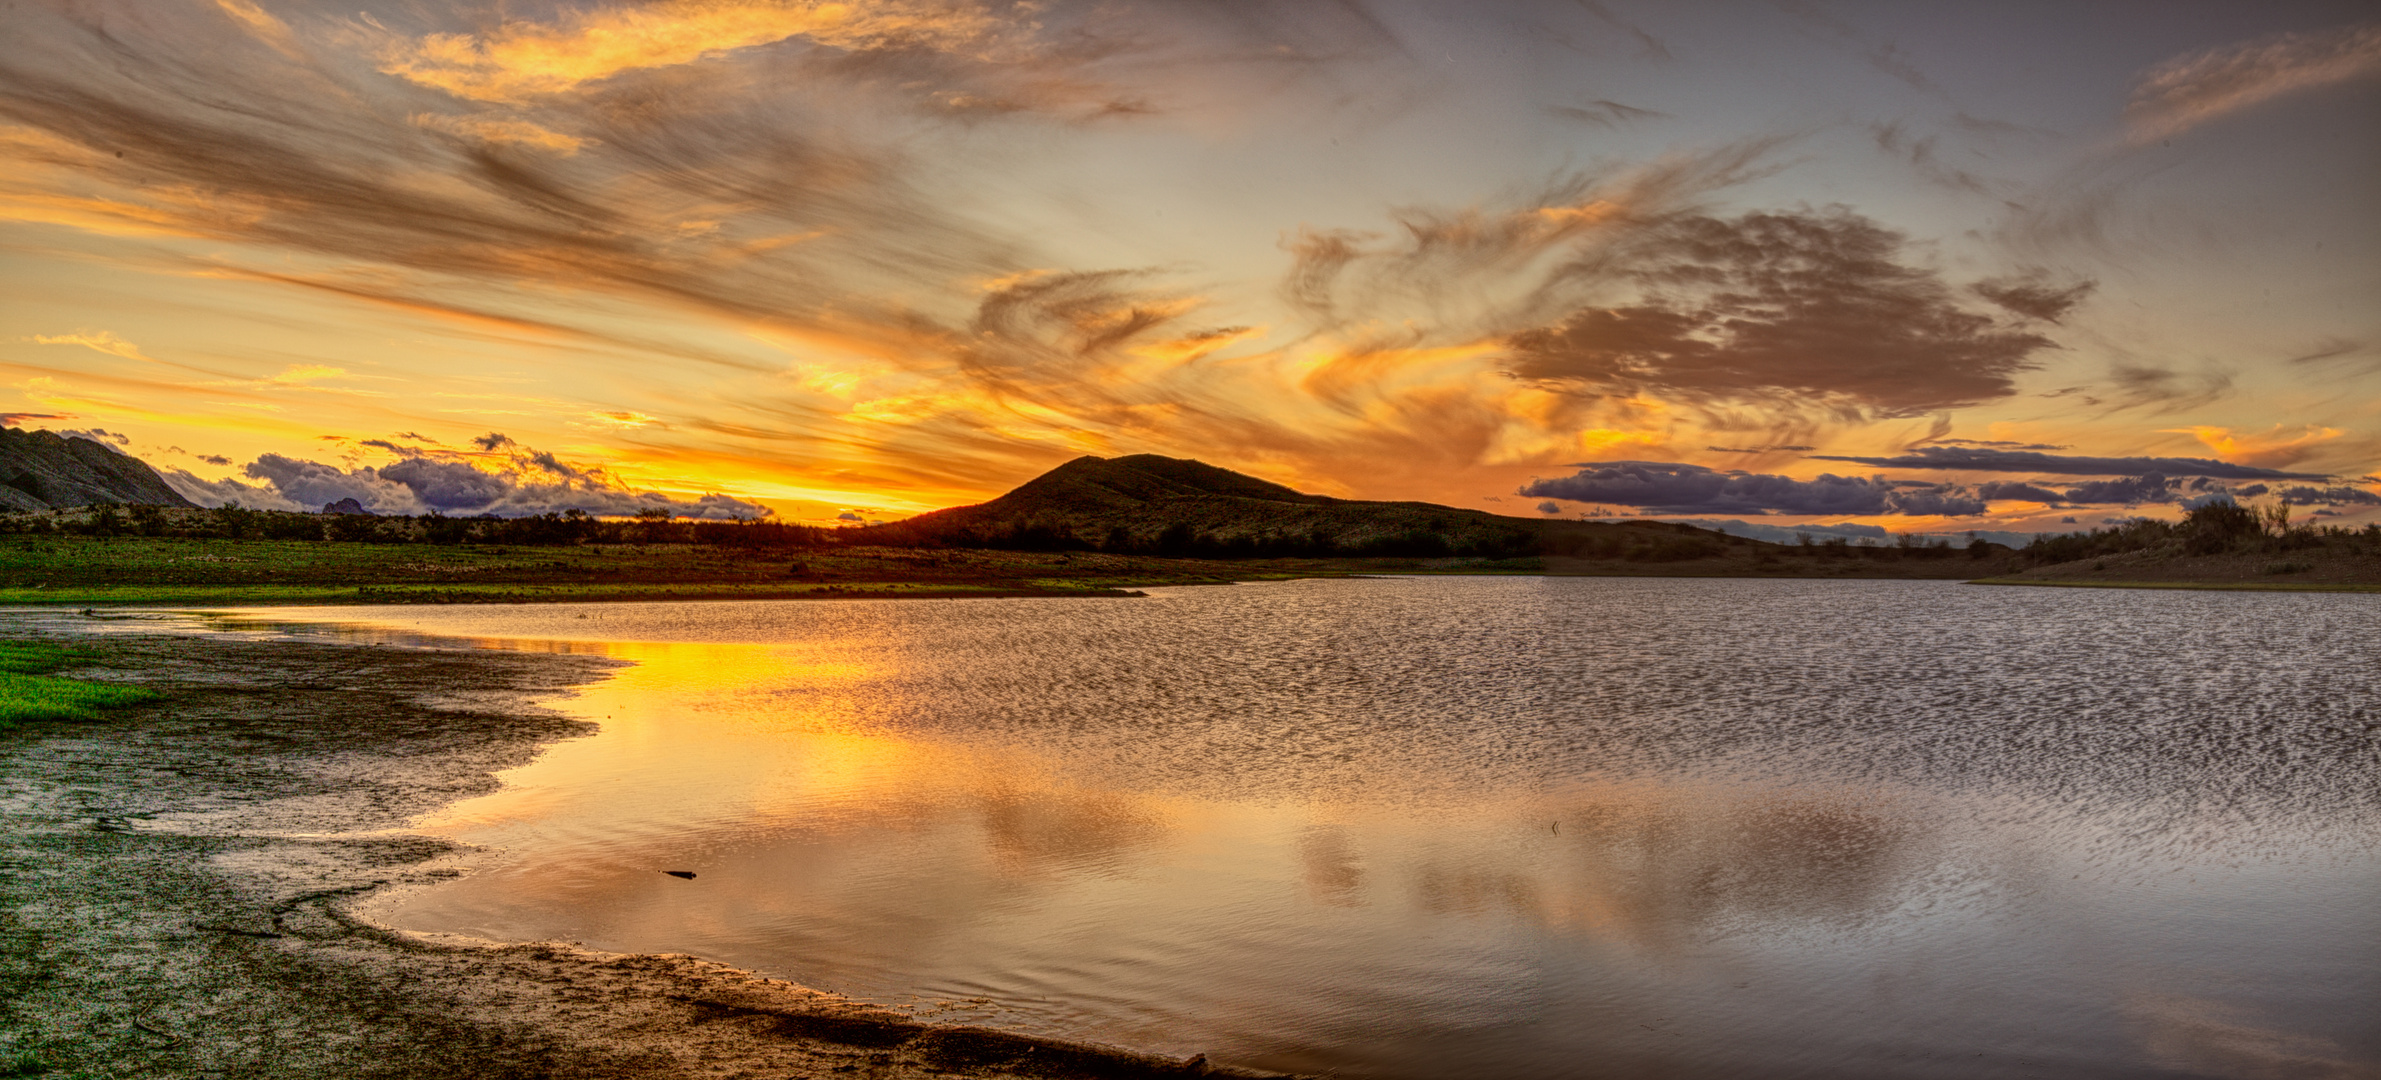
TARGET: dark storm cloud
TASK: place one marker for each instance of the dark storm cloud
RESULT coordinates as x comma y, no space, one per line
447,486
1978,459
1674,488
308,485
2009,489
516,482
1944,500
1849,530
2124,490
2328,496
1811,306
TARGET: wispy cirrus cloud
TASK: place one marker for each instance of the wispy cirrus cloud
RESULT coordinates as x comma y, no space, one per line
2194,88
520,59
2277,447
502,131
95,340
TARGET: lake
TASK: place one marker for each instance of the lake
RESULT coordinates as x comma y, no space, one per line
1484,827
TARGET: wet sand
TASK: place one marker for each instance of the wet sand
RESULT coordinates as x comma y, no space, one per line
179,877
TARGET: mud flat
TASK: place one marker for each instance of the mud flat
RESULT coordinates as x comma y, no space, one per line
179,878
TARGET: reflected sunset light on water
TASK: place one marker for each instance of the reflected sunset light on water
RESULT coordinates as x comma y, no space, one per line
1479,827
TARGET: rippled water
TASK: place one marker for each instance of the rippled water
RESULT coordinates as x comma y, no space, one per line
1491,827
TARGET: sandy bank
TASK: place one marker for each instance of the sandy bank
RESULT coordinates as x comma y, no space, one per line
175,902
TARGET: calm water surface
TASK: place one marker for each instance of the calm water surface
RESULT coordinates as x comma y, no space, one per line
1489,827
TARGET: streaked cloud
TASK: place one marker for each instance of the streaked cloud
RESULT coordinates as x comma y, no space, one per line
1984,459
1605,114
1675,488
2302,495
96,340
906,254
2194,88
521,58
2280,446
502,131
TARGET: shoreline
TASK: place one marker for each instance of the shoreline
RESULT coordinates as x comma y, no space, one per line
2214,586
204,598
184,876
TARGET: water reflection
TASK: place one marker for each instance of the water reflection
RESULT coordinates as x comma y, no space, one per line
1488,827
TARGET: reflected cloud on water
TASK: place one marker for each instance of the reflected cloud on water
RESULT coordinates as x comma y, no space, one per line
1478,826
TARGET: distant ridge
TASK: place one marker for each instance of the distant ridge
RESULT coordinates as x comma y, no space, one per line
42,470
1161,504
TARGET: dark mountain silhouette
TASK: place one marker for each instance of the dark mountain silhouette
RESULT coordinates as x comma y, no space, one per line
1162,505
42,470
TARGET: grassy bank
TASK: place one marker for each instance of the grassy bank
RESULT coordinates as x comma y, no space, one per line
89,571
30,691
62,568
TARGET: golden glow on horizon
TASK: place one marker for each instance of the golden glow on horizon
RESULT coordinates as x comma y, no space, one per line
905,255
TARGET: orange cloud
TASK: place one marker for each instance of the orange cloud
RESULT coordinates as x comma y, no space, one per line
2272,449
523,59
261,24
100,340
301,374
488,129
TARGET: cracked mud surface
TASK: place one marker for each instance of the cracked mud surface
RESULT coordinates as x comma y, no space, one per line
173,884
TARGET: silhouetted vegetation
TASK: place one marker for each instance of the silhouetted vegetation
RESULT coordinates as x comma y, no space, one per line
1181,540
2221,527
567,528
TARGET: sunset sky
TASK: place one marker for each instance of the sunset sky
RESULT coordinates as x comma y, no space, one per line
1928,267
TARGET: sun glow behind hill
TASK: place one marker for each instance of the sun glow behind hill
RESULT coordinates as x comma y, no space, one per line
876,260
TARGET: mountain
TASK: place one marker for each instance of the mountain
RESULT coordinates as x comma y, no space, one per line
1177,506
41,470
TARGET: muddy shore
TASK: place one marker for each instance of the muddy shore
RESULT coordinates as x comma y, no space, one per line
178,883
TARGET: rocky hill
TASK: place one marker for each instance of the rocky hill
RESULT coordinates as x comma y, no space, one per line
1177,506
42,470
1150,505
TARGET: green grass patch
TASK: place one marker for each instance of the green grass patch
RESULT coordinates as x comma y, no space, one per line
28,692
43,697
31,1063
38,657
